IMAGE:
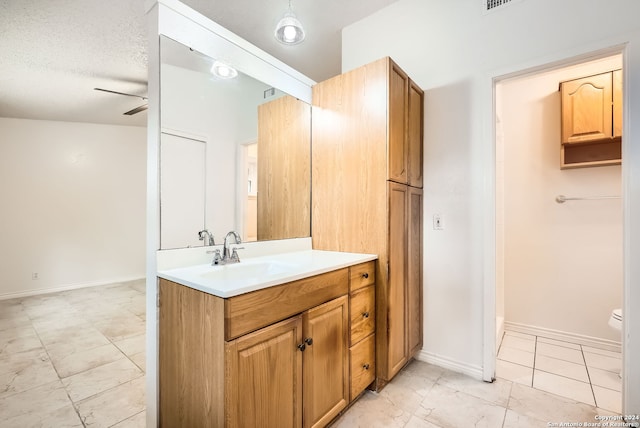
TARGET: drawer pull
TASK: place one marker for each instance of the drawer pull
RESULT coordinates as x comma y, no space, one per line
365,315
302,347
366,366
308,341
365,275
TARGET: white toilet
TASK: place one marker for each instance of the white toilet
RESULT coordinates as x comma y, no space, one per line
615,321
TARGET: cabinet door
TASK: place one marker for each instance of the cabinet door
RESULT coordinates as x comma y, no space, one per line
396,287
414,272
398,105
617,103
325,362
264,377
587,109
415,134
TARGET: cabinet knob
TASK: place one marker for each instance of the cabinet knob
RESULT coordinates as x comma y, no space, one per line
365,315
366,366
302,347
308,341
365,275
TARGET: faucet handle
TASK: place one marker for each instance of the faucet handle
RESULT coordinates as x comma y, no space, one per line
234,254
217,258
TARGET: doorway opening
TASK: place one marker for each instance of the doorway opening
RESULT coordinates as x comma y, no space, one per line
559,266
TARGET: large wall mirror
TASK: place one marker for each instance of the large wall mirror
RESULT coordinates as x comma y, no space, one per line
235,153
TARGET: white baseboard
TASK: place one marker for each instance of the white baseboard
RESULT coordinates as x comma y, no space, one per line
499,332
67,287
580,339
447,363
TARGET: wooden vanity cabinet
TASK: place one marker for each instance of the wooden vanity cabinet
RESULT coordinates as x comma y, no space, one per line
278,357
367,169
591,110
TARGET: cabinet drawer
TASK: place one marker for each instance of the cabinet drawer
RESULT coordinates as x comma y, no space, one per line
362,275
251,311
363,365
362,309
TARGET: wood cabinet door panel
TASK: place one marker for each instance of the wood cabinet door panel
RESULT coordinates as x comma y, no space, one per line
414,272
264,377
587,109
398,104
395,311
617,103
325,362
415,134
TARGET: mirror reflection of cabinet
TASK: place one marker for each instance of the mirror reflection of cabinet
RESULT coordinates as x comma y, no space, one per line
284,174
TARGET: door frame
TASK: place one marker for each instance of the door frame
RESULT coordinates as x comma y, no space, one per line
489,264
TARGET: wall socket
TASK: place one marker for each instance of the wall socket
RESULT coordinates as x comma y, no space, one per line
437,222
34,275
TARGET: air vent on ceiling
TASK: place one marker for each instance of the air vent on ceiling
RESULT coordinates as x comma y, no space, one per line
491,5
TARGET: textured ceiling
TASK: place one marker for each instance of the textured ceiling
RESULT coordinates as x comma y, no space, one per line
54,52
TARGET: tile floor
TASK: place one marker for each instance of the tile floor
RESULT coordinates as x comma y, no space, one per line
581,373
76,359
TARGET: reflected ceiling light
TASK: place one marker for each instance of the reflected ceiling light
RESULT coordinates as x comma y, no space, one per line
223,71
289,30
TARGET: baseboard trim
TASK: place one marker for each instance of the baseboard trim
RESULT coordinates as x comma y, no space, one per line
67,287
448,363
499,332
579,339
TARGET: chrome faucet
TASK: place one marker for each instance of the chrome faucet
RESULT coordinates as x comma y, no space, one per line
228,256
207,237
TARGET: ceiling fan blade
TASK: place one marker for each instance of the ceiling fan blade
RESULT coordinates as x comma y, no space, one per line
120,93
137,110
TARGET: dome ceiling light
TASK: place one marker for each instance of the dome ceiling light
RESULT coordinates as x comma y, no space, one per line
289,30
223,71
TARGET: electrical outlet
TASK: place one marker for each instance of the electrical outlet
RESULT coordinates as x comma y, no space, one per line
34,275
437,222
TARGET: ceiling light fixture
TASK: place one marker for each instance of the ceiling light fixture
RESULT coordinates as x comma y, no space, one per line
289,30
223,71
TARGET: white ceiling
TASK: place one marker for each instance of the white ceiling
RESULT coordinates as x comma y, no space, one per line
54,52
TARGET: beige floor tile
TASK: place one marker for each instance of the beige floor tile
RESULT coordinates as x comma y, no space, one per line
140,360
603,362
562,368
514,372
80,361
138,420
132,345
425,370
521,335
121,327
32,371
448,408
20,344
520,343
113,406
563,386
496,392
100,379
43,406
560,352
608,399
548,407
604,378
416,422
516,356
374,411
14,322
515,420
558,343
70,341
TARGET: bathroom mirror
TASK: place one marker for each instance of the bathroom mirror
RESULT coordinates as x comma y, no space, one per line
235,153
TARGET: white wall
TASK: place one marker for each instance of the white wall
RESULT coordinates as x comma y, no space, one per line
73,205
453,50
563,262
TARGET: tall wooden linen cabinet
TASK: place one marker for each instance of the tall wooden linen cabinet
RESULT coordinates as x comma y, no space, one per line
367,149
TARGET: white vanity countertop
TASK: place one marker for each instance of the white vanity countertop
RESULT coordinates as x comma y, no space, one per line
256,273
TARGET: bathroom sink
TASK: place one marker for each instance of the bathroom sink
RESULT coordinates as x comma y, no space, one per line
246,270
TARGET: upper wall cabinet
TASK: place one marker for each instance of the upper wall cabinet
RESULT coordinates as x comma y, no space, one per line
592,120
